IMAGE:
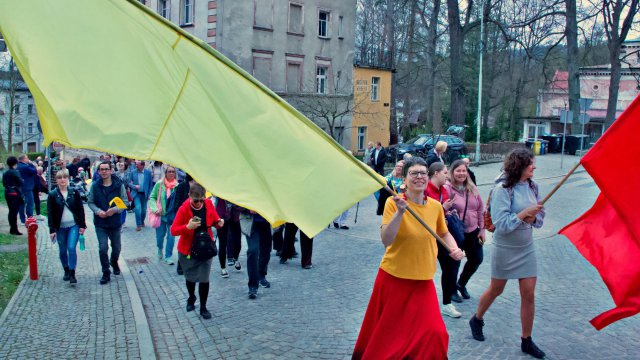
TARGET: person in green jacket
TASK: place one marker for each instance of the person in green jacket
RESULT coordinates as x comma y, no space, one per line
158,204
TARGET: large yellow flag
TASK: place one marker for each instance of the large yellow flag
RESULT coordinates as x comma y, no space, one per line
111,75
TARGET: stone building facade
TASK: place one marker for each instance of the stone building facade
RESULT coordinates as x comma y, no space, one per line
301,49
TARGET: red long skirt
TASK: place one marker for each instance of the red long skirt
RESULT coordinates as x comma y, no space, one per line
402,321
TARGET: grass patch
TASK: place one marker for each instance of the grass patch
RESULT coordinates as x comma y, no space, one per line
2,199
6,239
12,268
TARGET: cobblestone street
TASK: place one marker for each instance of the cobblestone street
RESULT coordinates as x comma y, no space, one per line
306,314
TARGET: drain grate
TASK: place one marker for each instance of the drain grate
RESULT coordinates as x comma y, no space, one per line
138,261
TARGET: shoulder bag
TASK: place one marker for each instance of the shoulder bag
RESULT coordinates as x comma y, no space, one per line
202,246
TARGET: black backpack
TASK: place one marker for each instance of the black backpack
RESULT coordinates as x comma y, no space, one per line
202,247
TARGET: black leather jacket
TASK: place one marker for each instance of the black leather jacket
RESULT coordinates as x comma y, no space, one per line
56,204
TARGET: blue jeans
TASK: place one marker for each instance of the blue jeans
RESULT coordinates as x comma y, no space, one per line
141,208
67,239
165,229
28,204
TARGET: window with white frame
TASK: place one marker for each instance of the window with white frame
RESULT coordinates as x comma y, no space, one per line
30,109
16,109
323,23
164,8
362,137
186,12
340,27
295,18
30,128
322,73
16,130
375,84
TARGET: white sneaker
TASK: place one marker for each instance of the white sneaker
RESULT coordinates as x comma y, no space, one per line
224,273
451,311
168,261
160,254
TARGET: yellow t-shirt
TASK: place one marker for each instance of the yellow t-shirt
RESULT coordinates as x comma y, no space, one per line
413,253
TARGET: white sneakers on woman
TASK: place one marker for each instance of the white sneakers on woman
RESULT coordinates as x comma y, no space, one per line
451,311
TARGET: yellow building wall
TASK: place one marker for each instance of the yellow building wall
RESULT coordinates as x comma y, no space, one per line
373,115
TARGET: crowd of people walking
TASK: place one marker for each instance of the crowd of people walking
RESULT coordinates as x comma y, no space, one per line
403,319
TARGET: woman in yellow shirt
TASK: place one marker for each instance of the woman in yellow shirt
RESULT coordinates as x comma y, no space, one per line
403,319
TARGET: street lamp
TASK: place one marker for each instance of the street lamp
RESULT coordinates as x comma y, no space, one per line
478,115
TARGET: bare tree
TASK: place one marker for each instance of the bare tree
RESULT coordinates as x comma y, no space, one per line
614,12
10,88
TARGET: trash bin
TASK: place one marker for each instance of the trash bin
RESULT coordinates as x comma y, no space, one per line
572,144
536,147
544,145
529,143
554,143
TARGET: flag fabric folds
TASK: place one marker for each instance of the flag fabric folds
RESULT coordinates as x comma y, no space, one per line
608,235
113,76
604,240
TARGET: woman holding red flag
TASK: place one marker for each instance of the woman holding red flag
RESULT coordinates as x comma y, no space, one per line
403,320
515,212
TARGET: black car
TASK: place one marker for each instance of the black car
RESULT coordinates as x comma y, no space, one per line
422,144
412,146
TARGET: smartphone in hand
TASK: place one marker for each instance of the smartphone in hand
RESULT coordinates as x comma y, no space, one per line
196,219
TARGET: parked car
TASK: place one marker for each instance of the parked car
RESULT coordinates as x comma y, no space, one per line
411,146
422,144
455,147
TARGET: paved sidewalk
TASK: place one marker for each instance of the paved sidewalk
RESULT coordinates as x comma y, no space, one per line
308,314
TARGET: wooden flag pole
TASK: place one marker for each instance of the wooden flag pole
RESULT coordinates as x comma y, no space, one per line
575,167
438,238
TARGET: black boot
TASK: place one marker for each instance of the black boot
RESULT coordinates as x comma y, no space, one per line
529,347
203,291
106,277
116,268
72,276
66,274
14,231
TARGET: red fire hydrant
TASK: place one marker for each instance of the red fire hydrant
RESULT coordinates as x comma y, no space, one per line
32,227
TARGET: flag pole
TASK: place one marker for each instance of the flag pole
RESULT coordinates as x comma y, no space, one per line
560,183
438,238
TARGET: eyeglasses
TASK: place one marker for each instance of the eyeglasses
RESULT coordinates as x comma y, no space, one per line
170,172
197,201
103,169
418,174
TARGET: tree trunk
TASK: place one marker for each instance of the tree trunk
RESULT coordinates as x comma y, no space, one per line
614,83
571,33
433,105
456,43
390,34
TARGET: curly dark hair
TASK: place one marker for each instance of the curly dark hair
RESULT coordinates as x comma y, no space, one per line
514,164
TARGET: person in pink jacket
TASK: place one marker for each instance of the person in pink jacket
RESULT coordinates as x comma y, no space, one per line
469,206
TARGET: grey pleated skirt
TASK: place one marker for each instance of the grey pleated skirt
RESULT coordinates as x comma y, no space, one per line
195,270
514,255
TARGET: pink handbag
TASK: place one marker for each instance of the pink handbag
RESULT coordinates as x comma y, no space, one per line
155,220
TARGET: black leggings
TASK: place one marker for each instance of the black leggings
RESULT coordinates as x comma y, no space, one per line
475,255
449,268
223,235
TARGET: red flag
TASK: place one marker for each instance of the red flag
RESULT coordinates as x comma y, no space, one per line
612,159
607,235
604,240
